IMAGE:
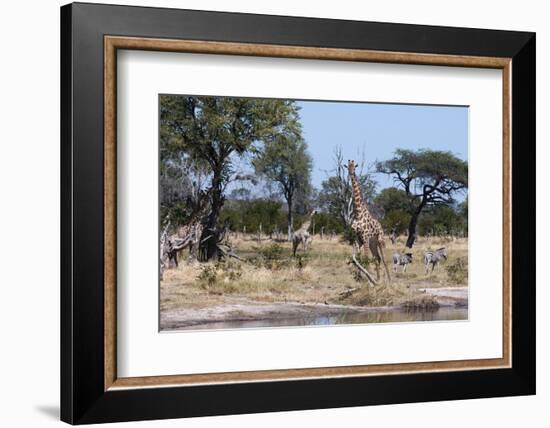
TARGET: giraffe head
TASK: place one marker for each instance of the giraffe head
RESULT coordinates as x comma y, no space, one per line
351,166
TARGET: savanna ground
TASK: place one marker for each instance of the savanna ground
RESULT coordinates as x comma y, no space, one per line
271,284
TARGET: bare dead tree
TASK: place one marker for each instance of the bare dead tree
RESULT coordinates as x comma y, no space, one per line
336,195
164,248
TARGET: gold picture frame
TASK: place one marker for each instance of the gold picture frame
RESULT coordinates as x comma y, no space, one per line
114,43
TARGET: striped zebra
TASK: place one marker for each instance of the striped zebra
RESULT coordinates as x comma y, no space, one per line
434,258
400,259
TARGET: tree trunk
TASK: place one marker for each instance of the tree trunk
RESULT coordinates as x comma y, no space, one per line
412,225
290,219
412,231
209,247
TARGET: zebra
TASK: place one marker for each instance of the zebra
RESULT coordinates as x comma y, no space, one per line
433,258
400,259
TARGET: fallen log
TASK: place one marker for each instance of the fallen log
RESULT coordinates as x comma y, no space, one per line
230,253
348,292
363,270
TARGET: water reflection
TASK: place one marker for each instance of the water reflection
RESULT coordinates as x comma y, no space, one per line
394,315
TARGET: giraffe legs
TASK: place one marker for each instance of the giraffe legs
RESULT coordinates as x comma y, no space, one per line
376,249
377,252
383,257
295,243
373,246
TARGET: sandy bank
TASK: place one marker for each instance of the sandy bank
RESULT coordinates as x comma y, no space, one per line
255,311
246,310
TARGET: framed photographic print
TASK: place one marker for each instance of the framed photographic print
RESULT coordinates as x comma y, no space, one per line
265,213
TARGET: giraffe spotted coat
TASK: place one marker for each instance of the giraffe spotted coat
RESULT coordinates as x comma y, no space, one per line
368,230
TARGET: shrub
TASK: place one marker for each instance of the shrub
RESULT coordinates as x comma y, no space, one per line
423,303
208,275
231,270
271,256
349,236
457,271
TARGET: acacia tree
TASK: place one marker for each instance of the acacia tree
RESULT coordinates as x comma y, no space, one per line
428,177
213,131
285,161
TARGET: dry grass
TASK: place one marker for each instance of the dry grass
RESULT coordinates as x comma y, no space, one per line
324,277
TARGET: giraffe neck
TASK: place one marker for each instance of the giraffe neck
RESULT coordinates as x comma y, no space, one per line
305,226
358,207
307,223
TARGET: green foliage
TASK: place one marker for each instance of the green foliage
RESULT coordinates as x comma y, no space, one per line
285,161
179,212
211,132
210,129
434,220
397,209
442,220
463,212
441,171
201,137
392,199
249,214
328,223
272,251
457,271
429,178
349,235
271,256
397,219
463,209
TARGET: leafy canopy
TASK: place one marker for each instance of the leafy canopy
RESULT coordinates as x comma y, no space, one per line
429,175
211,129
286,161
429,178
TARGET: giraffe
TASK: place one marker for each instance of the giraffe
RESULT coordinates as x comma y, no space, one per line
302,235
193,228
369,230
188,235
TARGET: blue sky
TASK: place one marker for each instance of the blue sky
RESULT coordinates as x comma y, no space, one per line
378,130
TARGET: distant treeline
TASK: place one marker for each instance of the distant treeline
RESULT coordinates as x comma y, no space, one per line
248,215
210,145
251,214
